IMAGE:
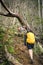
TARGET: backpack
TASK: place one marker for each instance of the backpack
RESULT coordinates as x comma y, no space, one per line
30,38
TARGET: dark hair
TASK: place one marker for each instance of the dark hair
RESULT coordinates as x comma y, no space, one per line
28,30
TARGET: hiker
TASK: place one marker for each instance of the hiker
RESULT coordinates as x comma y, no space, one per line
29,41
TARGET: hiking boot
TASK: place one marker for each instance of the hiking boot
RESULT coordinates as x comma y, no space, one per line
31,62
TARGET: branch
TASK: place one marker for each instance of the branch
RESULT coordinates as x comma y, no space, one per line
4,6
11,14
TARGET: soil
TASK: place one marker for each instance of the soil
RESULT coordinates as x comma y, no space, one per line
21,53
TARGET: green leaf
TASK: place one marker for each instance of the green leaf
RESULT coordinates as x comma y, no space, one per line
1,44
11,49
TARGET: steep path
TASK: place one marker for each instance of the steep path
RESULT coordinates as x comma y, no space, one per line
21,53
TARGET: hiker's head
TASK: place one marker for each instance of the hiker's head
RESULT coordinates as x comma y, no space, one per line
28,30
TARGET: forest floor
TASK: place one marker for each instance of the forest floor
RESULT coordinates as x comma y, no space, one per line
21,52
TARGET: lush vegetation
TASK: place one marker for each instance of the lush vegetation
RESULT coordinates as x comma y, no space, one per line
9,34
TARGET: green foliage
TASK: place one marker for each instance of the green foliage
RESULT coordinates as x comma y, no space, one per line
2,63
7,37
1,33
42,21
11,49
37,49
1,36
1,44
9,40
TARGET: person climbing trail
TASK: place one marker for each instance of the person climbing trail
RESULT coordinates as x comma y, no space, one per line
29,41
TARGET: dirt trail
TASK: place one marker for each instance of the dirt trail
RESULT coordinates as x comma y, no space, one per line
21,53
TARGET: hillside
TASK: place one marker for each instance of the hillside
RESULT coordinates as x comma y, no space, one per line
21,53
15,14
